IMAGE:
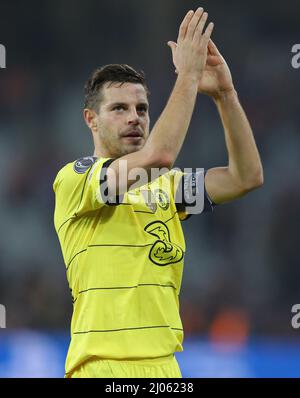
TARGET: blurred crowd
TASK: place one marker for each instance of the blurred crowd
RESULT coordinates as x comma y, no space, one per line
242,268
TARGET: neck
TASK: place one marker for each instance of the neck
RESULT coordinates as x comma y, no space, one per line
100,153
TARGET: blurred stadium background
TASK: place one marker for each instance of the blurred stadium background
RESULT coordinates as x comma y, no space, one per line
242,269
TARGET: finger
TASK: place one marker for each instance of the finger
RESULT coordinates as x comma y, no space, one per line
184,25
193,23
208,31
213,48
209,50
200,27
172,45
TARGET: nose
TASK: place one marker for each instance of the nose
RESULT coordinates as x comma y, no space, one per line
133,117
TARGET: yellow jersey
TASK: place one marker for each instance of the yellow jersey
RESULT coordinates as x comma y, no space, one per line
124,264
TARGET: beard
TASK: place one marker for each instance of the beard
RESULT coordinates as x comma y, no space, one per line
115,146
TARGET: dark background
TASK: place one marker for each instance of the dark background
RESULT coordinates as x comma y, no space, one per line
242,270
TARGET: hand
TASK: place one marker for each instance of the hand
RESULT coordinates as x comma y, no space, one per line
192,44
216,78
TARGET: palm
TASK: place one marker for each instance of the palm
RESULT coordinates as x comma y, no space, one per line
216,75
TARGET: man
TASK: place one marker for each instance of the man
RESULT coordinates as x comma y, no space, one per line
120,229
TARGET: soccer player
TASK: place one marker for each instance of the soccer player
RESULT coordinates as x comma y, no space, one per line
120,230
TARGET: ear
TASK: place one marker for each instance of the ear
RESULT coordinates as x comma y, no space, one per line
90,118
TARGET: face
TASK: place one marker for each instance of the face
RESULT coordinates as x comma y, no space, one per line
123,119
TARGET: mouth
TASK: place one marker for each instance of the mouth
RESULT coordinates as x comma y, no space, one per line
134,137
133,134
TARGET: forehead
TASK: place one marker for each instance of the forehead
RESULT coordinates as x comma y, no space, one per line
126,92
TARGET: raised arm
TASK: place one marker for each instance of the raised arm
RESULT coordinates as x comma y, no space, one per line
244,171
168,133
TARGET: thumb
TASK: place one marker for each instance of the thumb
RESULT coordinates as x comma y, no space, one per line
172,45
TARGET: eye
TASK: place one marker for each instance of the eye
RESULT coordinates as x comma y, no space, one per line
118,107
142,109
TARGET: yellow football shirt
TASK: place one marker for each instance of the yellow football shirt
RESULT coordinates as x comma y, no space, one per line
124,265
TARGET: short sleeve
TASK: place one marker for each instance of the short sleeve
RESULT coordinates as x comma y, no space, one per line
80,187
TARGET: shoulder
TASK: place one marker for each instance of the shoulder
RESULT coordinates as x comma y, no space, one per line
74,170
82,165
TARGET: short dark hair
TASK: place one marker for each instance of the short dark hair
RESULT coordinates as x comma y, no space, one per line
114,73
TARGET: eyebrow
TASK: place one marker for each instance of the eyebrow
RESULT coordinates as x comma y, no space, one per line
125,104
